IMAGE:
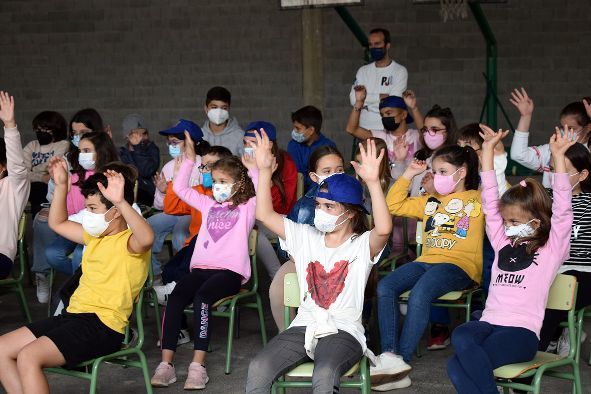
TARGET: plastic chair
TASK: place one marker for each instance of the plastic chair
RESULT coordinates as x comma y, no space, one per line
228,307
120,357
300,186
15,284
562,296
291,299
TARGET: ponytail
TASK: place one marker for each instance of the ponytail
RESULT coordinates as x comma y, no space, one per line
460,156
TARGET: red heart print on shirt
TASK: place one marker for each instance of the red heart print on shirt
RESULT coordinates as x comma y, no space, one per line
324,287
220,220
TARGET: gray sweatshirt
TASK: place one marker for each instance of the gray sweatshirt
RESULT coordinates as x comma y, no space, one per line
231,137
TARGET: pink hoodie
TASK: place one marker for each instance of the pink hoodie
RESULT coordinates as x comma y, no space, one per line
520,282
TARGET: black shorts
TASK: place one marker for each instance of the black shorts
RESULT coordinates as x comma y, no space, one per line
78,336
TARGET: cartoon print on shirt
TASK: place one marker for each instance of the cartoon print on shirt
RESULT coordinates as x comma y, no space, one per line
439,220
471,210
454,209
513,259
430,209
324,287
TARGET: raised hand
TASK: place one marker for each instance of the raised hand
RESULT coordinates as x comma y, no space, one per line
410,99
369,168
249,161
360,94
491,139
262,148
560,142
400,148
114,191
415,168
7,109
160,182
58,168
522,102
189,147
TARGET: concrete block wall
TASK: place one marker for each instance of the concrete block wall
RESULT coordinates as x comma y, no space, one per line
159,58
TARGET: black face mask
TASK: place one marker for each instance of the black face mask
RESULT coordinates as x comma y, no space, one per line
390,123
43,137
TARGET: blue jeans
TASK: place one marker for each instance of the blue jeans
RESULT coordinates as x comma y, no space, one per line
57,255
43,236
480,348
164,224
427,282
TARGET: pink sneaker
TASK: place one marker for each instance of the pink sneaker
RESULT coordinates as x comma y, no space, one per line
197,377
164,375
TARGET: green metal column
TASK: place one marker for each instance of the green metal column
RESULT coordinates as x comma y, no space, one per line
491,63
357,31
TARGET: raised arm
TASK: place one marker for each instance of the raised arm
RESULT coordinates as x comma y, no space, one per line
58,212
369,171
410,99
15,163
399,203
180,183
353,121
525,155
264,207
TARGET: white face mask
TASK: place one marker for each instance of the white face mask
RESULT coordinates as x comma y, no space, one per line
249,151
94,223
217,115
326,222
520,231
222,191
551,179
86,160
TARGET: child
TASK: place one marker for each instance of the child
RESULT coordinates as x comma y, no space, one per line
219,128
324,161
142,153
451,258
306,138
333,261
51,131
527,232
384,175
220,262
14,184
95,321
537,158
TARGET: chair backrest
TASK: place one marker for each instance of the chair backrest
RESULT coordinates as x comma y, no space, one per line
252,253
562,295
22,226
300,186
291,296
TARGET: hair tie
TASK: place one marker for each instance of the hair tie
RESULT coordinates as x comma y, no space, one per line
522,183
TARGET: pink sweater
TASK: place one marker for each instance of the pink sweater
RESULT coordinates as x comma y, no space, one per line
520,282
75,201
223,237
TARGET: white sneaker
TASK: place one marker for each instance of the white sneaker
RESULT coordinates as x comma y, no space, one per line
551,347
399,384
500,390
162,292
42,281
184,337
389,368
563,347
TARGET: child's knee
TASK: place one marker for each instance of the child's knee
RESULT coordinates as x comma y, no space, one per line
27,358
385,289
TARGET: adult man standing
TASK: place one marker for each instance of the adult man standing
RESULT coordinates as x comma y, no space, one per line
381,78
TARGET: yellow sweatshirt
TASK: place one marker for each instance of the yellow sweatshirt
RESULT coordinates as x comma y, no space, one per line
453,225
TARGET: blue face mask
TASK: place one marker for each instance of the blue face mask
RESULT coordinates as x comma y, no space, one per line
377,53
207,180
174,151
76,140
297,137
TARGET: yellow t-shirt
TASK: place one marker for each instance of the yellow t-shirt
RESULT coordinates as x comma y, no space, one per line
453,225
111,279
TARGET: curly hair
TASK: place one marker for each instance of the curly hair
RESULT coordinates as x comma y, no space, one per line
233,167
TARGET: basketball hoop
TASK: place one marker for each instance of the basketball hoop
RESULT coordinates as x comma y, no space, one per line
453,9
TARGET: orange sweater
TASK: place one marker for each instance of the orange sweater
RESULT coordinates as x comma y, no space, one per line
175,206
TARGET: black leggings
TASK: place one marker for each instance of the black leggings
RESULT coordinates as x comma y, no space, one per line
202,287
5,266
178,265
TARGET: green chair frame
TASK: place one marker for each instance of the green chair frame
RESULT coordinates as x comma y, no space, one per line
152,300
15,284
120,357
562,296
291,299
229,307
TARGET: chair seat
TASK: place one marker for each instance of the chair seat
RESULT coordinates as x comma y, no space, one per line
225,299
511,371
451,296
305,370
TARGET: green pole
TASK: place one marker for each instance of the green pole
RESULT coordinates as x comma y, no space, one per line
491,63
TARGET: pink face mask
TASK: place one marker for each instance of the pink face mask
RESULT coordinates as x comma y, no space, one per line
444,184
434,141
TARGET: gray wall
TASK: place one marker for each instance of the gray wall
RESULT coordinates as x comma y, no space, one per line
160,57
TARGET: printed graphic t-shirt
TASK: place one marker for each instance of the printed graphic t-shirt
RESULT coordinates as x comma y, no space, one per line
332,279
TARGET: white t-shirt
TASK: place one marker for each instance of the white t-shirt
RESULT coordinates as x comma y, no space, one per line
331,280
390,80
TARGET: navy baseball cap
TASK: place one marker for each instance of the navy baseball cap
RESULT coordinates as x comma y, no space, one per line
182,125
258,125
396,102
342,188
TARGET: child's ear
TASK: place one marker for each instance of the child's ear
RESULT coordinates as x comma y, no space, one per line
583,175
535,224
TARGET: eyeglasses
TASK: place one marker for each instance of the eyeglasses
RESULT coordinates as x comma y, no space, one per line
432,130
205,167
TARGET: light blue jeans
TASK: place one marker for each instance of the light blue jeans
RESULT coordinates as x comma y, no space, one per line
164,224
57,255
427,282
43,236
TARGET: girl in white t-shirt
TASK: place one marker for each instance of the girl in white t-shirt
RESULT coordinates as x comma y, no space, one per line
333,261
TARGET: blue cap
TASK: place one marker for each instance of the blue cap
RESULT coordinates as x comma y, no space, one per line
182,125
342,188
396,102
258,125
